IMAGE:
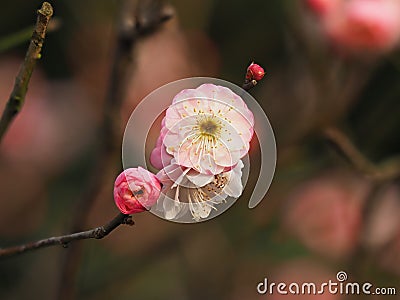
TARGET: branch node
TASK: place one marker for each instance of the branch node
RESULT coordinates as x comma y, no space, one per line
128,221
46,10
99,233
249,84
387,170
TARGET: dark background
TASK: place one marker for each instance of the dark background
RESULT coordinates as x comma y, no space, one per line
317,218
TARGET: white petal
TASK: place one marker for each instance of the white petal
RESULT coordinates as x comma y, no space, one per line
173,172
171,208
204,210
219,198
199,179
199,210
234,188
231,137
208,165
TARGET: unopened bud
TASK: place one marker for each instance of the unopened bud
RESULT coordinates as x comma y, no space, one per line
255,72
136,190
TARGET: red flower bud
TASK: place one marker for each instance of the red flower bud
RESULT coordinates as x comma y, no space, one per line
255,72
136,190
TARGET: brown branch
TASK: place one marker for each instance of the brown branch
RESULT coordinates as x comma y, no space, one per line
249,84
387,170
136,20
63,240
17,97
133,24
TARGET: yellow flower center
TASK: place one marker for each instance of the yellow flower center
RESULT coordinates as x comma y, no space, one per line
208,127
207,131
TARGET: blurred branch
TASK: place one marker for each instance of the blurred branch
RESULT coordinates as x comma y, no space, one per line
387,170
136,20
95,233
133,24
361,256
17,38
17,97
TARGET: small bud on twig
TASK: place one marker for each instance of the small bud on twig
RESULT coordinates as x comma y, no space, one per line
254,74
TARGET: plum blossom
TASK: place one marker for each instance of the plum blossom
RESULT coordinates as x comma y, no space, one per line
357,25
185,189
204,135
325,213
208,129
136,190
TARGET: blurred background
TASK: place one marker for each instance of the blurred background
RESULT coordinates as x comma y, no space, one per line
329,64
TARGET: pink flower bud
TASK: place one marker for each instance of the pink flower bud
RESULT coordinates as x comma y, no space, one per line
255,72
136,190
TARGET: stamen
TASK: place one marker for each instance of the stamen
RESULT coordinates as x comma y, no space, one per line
176,183
177,194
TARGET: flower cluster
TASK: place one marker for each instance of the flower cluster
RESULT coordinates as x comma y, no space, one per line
205,133
360,25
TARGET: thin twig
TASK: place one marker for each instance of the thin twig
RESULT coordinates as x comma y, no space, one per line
17,97
387,170
249,84
63,240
